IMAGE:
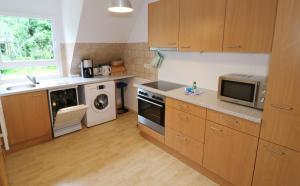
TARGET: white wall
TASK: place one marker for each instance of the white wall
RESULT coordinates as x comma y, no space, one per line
71,14
205,68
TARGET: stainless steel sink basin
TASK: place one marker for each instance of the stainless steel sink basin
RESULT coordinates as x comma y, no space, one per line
19,87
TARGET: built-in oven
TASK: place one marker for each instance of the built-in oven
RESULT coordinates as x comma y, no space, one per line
151,110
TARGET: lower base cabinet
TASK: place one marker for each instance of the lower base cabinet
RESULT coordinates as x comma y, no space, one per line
229,153
186,146
27,119
276,166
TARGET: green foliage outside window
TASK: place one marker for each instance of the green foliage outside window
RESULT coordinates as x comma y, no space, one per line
25,39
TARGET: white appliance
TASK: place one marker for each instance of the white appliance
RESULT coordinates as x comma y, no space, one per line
3,128
100,98
66,114
105,70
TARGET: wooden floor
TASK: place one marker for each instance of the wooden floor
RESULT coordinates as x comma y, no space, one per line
110,154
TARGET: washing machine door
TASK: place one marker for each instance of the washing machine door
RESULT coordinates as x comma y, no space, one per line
101,102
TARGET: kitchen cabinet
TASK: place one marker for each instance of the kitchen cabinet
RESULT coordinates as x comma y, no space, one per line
229,153
276,166
3,175
201,25
187,124
27,118
163,20
249,25
185,128
186,107
281,118
186,146
236,123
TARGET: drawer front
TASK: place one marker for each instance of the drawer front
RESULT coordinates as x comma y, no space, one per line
185,145
186,107
234,122
189,125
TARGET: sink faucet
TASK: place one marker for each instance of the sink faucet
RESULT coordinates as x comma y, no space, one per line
32,79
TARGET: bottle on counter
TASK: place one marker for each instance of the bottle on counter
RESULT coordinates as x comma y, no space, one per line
194,86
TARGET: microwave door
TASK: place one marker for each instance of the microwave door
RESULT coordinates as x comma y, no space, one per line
239,92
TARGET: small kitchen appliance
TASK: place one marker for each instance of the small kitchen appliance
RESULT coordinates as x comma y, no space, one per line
248,90
105,70
87,68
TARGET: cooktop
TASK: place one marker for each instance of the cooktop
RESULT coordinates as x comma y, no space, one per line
163,85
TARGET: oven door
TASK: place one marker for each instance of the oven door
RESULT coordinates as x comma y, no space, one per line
244,93
152,114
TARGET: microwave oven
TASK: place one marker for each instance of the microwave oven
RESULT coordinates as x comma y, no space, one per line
248,90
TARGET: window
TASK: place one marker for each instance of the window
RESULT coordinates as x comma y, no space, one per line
26,47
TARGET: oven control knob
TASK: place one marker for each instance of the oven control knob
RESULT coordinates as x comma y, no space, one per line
145,94
262,100
154,97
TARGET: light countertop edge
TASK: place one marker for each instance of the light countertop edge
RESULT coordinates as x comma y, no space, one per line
208,99
58,83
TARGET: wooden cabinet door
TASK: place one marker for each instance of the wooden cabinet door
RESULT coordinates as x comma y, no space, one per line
3,175
163,24
249,25
189,125
186,146
201,25
27,116
229,153
276,166
281,118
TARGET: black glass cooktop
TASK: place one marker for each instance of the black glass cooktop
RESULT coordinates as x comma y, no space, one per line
163,85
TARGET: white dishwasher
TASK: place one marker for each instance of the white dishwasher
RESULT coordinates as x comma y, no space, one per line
66,114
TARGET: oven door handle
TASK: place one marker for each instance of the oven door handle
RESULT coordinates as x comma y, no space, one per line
150,102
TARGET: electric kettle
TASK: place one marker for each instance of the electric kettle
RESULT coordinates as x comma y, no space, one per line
105,70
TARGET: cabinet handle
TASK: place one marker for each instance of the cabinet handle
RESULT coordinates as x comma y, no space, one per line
185,47
216,129
185,118
234,46
171,44
183,107
281,107
37,95
236,122
274,151
181,137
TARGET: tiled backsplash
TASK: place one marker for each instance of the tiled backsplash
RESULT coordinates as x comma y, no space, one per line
136,56
100,53
138,59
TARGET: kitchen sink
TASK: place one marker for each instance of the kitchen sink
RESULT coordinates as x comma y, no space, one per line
19,87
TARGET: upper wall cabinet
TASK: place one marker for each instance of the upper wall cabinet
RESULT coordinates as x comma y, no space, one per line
163,20
249,25
201,25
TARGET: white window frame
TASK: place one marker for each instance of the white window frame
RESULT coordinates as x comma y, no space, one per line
36,63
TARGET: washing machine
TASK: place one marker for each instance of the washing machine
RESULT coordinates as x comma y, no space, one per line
101,101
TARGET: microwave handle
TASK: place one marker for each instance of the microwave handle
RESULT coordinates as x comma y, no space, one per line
150,102
255,93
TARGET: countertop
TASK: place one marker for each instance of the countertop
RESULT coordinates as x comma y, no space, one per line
58,83
209,100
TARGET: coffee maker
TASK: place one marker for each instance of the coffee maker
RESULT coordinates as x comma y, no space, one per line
87,68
